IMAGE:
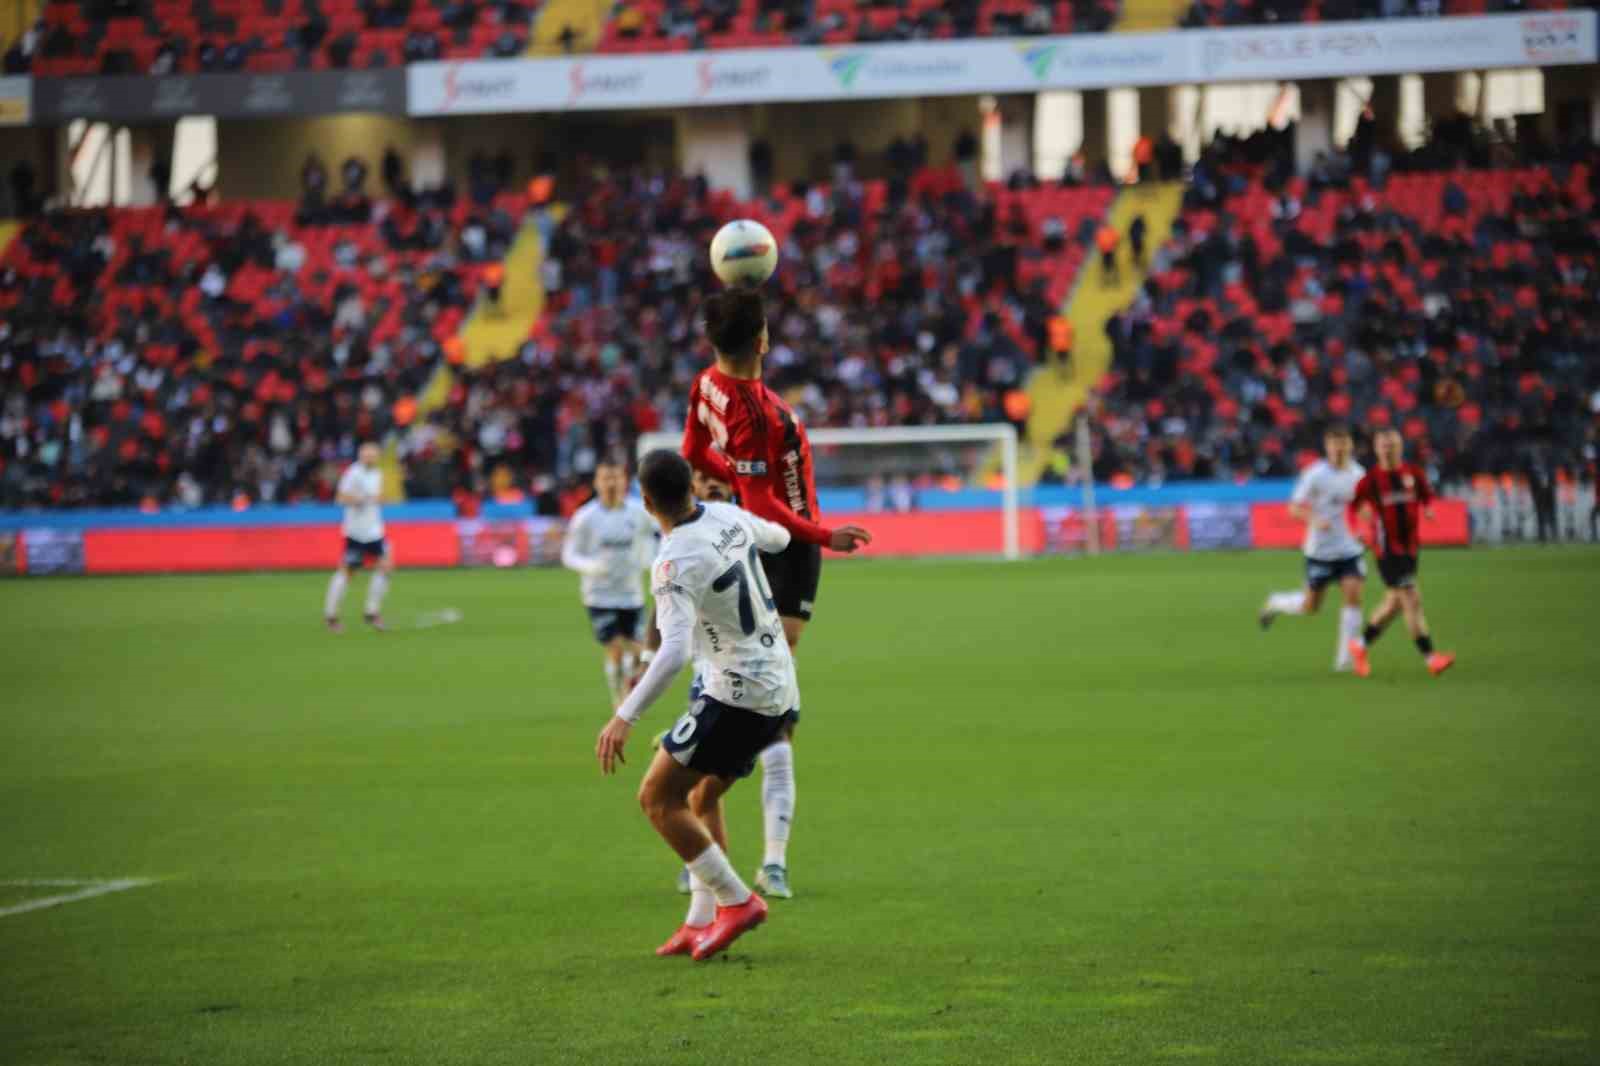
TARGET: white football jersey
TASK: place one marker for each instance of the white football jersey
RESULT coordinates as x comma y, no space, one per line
611,547
1327,491
363,522
708,578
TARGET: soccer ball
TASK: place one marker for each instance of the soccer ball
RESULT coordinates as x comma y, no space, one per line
744,252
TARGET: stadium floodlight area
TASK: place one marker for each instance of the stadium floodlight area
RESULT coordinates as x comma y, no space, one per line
886,465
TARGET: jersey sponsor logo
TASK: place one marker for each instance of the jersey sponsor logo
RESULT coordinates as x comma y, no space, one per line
732,538
718,398
712,635
792,487
750,467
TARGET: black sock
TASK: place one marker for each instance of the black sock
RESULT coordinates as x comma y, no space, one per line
1371,633
1425,644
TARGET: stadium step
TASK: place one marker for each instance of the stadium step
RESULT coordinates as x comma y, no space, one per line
491,335
1139,16
394,474
586,17
494,334
1055,396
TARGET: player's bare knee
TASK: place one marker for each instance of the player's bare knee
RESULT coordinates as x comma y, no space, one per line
657,802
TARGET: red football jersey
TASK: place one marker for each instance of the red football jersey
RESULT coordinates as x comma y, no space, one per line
741,432
1398,495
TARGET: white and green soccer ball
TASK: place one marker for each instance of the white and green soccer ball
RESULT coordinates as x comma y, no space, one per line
744,252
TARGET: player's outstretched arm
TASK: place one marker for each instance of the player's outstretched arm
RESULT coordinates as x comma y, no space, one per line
849,538
759,499
675,613
770,537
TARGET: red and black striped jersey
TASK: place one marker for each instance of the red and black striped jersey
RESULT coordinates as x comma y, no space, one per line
1398,495
741,432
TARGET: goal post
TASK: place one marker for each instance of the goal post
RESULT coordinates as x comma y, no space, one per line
889,467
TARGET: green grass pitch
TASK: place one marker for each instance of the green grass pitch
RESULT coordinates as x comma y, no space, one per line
1066,811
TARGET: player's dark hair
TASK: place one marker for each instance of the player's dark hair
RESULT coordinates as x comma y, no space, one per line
734,320
1338,429
666,480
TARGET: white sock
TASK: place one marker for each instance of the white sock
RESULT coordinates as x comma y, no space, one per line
330,604
714,870
628,663
375,590
1287,602
777,800
702,904
614,682
1349,629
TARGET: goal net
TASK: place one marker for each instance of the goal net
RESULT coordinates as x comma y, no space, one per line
922,490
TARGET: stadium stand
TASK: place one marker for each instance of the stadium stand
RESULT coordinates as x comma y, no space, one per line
271,36
78,37
1458,305
1257,12
171,355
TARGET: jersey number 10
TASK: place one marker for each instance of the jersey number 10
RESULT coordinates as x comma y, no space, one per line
738,575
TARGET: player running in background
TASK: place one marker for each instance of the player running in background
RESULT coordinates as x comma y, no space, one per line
741,433
610,542
712,601
1321,499
360,492
1400,494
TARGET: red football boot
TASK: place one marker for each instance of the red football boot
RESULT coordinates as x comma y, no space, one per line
1440,661
682,942
730,925
1358,656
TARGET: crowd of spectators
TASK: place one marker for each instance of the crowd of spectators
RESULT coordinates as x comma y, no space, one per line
176,36
650,25
913,300
76,37
1261,12
179,356
235,353
1457,304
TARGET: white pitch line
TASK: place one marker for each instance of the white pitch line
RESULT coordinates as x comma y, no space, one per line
89,890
